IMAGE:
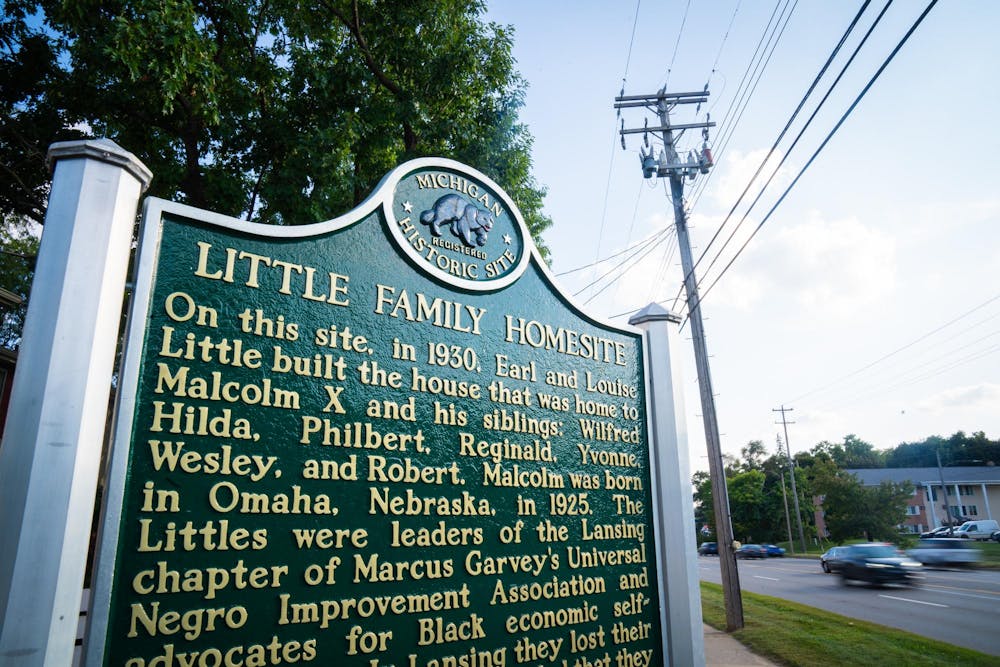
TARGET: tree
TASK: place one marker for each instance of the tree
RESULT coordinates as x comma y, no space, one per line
704,510
17,262
753,455
852,510
852,453
274,111
746,504
754,488
958,449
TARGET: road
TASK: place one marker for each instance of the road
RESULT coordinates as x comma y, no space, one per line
960,607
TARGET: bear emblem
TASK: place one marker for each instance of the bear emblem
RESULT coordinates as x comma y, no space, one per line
468,222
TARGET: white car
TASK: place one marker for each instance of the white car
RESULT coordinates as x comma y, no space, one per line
977,530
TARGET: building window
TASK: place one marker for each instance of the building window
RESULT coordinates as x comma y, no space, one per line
932,494
966,490
970,510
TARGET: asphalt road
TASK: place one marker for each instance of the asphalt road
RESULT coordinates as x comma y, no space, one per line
961,607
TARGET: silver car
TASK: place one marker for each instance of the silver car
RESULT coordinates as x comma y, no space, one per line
945,551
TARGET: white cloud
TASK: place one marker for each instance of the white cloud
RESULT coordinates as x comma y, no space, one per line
828,268
737,170
817,425
972,397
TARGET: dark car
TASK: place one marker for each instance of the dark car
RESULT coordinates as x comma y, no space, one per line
773,550
943,531
878,564
708,549
751,551
830,561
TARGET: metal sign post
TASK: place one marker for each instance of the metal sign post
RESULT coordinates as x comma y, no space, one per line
52,442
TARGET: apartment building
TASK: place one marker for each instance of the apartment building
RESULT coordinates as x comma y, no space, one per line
973,492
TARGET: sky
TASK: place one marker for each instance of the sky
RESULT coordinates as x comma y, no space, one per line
869,301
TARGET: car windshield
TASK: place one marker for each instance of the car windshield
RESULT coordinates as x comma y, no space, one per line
876,551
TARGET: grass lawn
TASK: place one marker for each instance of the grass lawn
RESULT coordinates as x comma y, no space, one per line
991,554
793,634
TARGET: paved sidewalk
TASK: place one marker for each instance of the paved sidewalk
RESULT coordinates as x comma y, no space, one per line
721,650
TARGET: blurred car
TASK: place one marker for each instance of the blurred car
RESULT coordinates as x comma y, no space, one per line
708,549
945,551
830,561
878,563
751,551
773,550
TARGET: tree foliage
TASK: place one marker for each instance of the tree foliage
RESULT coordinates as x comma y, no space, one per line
274,111
958,449
756,503
852,453
851,510
19,241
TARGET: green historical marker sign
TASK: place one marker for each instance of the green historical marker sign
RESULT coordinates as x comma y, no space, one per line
387,439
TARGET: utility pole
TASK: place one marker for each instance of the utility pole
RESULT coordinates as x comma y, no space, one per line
944,490
791,470
669,164
784,498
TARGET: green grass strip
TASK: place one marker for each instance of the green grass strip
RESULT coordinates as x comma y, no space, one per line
794,634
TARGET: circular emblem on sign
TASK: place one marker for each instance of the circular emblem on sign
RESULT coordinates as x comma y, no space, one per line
456,224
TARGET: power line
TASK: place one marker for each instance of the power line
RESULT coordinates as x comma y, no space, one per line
753,58
919,372
635,214
758,74
617,266
611,160
829,136
660,276
784,131
637,244
795,142
624,271
742,100
725,37
631,41
903,348
934,372
680,32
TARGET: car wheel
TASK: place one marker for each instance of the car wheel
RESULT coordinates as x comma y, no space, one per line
843,580
826,568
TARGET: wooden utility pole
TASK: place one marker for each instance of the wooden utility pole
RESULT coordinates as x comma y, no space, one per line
670,165
791,470
784,498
